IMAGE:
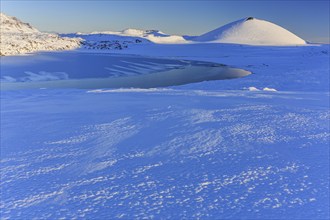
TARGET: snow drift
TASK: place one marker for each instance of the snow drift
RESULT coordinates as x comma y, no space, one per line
251,31
18,37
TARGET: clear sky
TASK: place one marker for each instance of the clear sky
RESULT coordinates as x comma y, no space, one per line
307,19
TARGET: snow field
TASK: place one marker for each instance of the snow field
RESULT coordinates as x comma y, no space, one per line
216,154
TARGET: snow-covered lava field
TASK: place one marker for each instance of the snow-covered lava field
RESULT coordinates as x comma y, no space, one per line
247,140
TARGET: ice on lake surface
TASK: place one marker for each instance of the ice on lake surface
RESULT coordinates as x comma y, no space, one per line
92,71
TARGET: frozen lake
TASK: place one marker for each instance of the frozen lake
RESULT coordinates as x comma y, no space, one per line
209,150
94,71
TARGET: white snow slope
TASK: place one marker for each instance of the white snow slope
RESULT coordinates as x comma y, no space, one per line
251,31
18,38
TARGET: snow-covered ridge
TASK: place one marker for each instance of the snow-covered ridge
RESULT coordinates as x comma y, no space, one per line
141,33
118,40
154,36
251,31
13,25
18,37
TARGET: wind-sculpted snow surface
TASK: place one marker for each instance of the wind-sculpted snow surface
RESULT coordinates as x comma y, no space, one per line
175,154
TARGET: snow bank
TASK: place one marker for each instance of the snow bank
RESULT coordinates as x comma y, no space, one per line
251,31
18,37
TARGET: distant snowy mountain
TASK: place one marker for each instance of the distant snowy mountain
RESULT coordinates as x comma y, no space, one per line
251,31
18,37
106,40
154,36
141,33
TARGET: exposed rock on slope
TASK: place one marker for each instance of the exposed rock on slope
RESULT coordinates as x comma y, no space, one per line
13,25
18,37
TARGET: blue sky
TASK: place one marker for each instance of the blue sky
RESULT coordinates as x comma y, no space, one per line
307,19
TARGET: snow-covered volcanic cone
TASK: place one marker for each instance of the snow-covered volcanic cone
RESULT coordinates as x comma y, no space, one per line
251,31
18,37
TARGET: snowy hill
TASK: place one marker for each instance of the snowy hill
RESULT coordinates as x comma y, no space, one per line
18,37
251,31
154,36
245,31
119,40
13,25
132,32
141,33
